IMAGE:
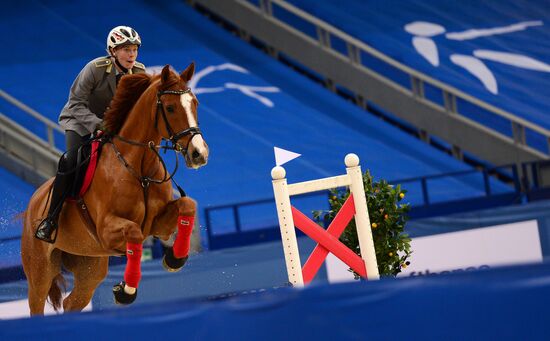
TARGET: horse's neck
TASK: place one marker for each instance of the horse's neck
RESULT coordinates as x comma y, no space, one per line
139,127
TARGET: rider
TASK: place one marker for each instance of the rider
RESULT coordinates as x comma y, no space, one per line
89,97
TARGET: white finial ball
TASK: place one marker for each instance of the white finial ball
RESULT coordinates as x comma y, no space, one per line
351,160
278,173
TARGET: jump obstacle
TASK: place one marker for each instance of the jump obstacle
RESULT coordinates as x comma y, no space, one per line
327,240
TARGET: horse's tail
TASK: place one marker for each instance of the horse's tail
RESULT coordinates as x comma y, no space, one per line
59,286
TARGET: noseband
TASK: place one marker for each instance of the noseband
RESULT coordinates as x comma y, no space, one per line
175,137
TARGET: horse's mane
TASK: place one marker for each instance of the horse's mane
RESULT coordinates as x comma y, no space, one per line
129,89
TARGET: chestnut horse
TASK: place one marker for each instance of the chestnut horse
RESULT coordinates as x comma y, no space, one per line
130,197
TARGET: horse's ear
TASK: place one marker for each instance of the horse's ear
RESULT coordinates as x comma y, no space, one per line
165,74
188,73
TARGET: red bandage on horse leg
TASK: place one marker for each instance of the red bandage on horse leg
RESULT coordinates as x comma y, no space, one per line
132,275
183,239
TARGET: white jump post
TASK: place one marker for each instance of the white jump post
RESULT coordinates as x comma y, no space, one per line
283,191
286,223
362,220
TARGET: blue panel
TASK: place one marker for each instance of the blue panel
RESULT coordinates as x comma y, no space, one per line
259,216
222,221
537,141
294,21
484,117
385,70
433,94
339,45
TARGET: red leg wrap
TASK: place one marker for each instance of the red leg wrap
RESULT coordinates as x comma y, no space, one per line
132,275
183,239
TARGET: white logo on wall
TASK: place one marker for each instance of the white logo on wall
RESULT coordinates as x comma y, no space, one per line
426,47
247,90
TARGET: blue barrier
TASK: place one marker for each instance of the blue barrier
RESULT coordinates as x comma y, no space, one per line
504,304
422,207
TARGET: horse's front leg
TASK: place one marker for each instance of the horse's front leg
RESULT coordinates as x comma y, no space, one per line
119,234
180,213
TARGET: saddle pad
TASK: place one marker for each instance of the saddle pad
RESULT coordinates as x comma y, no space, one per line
82,180
90,171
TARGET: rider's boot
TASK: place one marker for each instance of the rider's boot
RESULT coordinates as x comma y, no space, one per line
49,225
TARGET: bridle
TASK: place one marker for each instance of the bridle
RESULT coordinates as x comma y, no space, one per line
174,137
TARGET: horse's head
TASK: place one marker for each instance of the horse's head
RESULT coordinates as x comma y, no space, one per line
176,116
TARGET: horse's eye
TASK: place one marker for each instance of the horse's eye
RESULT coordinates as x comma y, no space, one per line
170,109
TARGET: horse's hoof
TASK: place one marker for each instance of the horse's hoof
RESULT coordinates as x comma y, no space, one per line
121,297
171,263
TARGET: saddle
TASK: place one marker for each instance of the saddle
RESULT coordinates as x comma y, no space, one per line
88,156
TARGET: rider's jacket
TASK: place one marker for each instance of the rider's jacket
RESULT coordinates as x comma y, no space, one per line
90,95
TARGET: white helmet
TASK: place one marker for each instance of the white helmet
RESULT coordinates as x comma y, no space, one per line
122,35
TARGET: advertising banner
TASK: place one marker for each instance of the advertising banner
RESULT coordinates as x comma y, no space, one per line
481,248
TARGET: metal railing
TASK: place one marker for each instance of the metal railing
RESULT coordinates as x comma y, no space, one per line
417,79
49,125
31,157
508,173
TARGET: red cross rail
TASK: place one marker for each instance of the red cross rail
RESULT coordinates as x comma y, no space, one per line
355,206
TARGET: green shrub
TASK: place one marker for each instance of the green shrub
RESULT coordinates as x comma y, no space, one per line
388,217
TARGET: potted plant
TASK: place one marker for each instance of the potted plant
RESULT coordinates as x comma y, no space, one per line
388,216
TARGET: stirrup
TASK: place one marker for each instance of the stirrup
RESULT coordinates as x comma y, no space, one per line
45,233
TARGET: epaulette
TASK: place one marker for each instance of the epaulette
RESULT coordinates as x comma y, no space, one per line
103,62
139,65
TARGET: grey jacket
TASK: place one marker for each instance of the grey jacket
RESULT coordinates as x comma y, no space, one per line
90,95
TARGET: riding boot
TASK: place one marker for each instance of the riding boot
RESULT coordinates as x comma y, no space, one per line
49,225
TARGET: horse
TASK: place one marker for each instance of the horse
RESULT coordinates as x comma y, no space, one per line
130,197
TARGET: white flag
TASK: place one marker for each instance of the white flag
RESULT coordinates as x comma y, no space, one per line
282,156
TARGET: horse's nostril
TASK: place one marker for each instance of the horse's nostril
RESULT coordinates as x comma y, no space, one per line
195,154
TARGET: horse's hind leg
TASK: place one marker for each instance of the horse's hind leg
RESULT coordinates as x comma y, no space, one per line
88,273
41,270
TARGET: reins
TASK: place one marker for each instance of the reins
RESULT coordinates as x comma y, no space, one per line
174,138
145,180
142,178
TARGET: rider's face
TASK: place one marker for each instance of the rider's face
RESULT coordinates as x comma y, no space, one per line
127,55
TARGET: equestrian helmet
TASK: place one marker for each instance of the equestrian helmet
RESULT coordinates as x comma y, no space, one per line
122,35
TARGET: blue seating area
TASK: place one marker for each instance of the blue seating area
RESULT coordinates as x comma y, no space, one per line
499,42
289,111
